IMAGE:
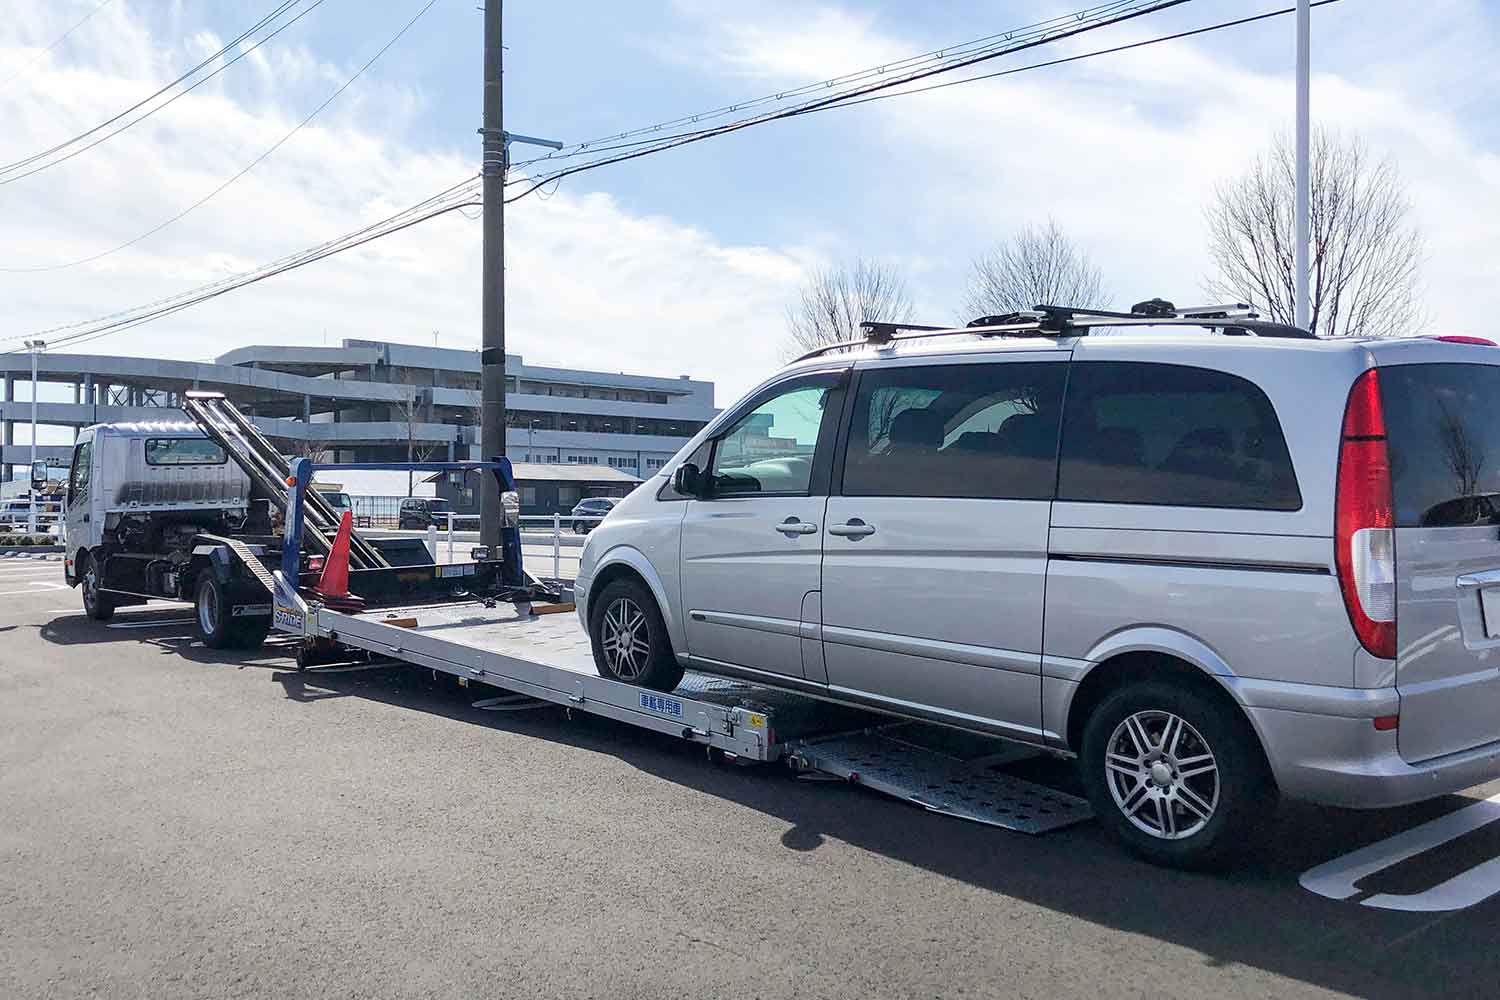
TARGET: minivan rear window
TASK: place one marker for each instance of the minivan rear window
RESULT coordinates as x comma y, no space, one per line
1173,435
1444,443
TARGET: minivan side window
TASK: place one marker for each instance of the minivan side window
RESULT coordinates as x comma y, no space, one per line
771,448
1143,433
977,430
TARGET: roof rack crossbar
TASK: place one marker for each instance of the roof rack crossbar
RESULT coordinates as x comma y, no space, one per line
1233,319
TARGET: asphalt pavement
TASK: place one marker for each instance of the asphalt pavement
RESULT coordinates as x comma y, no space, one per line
178,822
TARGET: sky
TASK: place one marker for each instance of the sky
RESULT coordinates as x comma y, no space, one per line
683,263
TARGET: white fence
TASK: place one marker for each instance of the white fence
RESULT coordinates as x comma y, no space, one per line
557,530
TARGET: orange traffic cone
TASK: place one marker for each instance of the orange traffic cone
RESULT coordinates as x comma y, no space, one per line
333,585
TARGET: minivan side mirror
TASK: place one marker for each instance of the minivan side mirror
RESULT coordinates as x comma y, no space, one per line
688,480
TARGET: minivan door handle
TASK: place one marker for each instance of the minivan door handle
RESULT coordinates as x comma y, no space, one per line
852,528
794,526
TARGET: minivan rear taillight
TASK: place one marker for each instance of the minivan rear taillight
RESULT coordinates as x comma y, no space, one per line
1364,523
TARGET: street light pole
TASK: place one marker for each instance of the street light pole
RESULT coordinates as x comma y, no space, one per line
35,347
1303,305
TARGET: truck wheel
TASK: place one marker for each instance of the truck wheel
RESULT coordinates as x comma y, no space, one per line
211,610
97,606
630,639
1175,775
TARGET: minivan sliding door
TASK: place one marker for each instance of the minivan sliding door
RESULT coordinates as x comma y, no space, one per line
935,547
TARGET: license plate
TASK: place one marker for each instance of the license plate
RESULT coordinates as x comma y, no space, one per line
1489,603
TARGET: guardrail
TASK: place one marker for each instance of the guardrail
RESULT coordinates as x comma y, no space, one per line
17,514
552,523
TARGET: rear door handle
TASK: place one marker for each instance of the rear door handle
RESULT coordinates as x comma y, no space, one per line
852,528
795,526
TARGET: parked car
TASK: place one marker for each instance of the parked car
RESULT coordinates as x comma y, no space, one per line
588,512
1213,568
419,512
338,500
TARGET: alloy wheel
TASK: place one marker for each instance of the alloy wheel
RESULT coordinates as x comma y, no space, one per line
1162,774
625,639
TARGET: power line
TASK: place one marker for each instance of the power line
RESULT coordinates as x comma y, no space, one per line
1087,55
947,53
1080,26
259,277
248,167
56,42
458,196
11,168
1121,10
147,100
465,191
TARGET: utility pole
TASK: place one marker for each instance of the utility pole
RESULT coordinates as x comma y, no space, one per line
492,280
1303,197
492,311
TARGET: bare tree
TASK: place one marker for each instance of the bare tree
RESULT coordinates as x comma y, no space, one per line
1039,265
835,301
412,411
1366,252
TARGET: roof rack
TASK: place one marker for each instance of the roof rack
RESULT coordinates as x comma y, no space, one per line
1236,319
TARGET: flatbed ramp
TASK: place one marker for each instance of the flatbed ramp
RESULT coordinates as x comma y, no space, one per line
549,658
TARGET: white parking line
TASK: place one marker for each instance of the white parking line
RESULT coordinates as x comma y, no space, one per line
1336,879
45,585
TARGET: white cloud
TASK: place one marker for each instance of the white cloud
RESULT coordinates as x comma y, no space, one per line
589,283
1122,151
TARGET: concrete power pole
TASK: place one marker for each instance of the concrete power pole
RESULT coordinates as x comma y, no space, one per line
492,311
1303,306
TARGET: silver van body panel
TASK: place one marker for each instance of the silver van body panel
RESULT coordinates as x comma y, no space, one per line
937,618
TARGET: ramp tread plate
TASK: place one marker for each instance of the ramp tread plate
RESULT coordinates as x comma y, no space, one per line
946,785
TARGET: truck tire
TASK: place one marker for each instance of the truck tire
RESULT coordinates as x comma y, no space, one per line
1176,775
211,611
630,639
100,607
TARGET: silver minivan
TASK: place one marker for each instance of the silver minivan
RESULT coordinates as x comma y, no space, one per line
1215,560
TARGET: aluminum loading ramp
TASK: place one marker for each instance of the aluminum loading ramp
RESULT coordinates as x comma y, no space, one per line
549,658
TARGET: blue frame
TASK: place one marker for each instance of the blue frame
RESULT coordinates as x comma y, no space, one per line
302,474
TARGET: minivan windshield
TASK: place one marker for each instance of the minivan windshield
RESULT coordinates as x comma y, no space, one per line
1444,443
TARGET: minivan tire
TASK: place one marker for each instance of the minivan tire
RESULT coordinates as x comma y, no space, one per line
624,610
98,606
1239,790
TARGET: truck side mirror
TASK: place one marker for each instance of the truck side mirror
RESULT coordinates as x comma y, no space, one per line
38,474
688,480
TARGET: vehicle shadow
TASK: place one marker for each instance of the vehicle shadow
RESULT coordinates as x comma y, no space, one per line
1256,916
170,629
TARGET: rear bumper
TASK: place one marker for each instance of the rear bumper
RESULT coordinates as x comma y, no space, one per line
1342,761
